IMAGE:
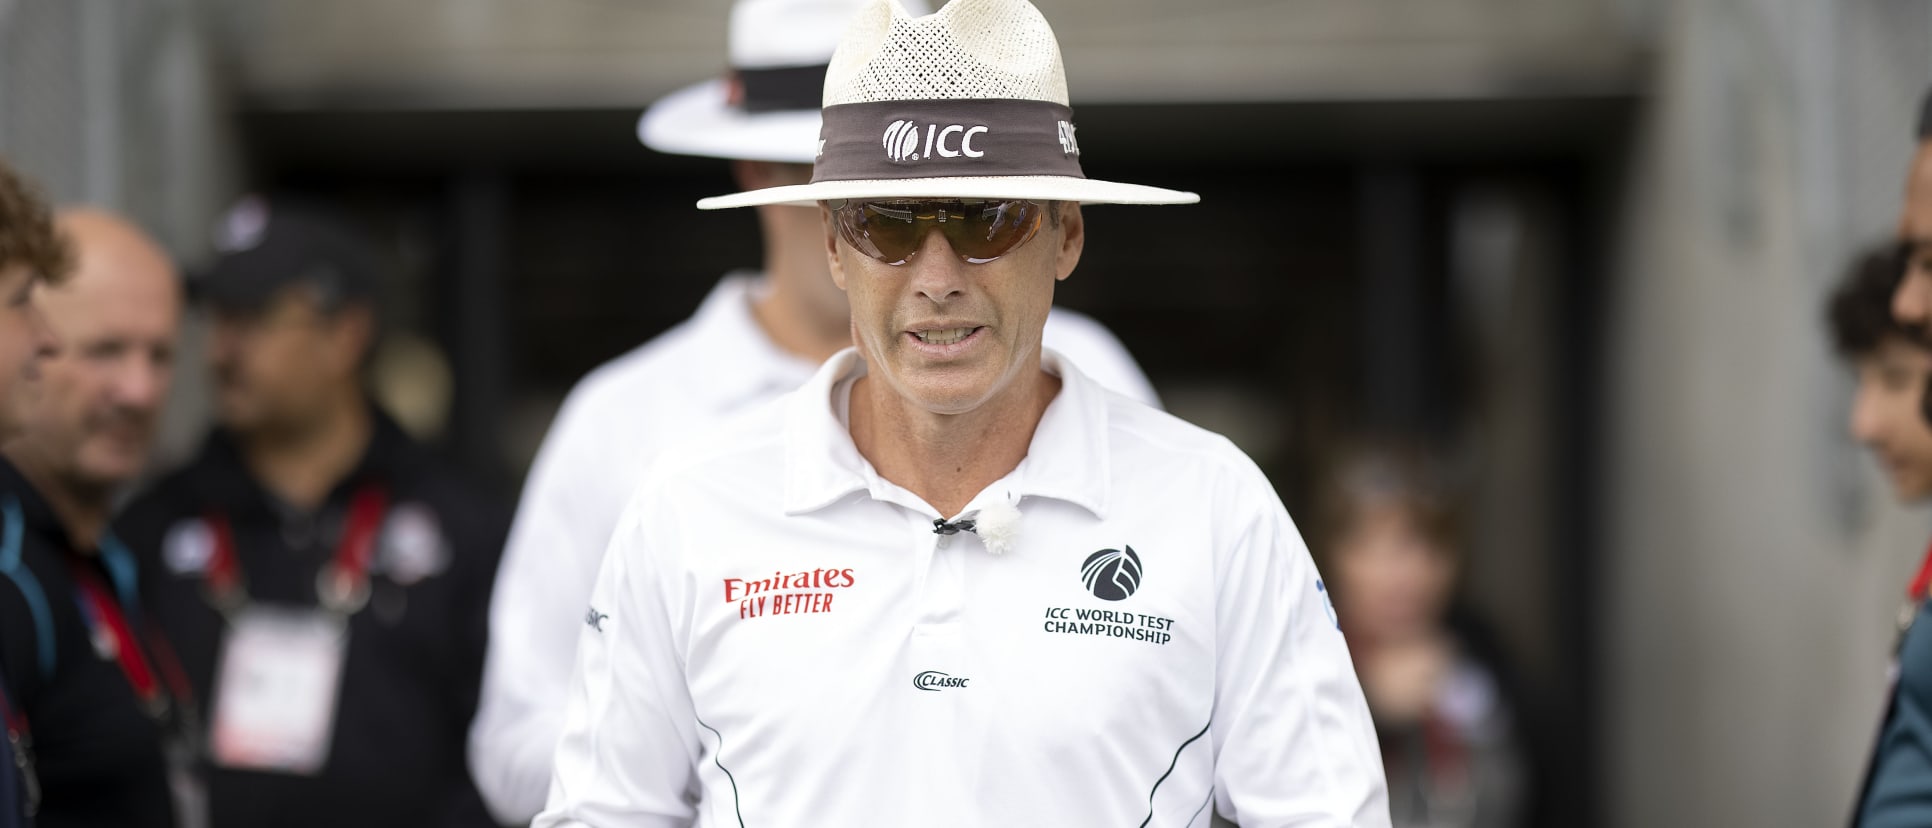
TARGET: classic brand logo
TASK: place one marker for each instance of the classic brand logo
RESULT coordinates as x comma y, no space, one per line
595,619
1068,146
935,681
902,141
1112,574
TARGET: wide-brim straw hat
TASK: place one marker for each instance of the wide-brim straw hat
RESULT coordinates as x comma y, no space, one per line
967,102
766,108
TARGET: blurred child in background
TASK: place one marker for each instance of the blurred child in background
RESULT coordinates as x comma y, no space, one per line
1451,746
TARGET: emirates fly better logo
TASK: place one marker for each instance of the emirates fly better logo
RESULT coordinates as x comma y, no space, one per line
905,142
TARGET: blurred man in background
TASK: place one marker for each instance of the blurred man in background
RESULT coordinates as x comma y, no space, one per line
92,423
757,336
1892,363
85,673
1898,782
89,427
324,578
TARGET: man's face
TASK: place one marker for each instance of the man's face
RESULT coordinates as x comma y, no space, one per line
1912,302
1885,415
25,341
276,365
101,393
948,336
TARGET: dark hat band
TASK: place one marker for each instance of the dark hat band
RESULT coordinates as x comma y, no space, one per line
946,139
782,88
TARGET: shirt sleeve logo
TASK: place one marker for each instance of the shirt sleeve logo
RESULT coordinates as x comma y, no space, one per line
1112,574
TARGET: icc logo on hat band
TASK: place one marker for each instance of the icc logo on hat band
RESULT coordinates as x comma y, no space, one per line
901,141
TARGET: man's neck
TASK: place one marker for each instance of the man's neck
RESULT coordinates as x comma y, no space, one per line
301,466
82,509
799,310
947,459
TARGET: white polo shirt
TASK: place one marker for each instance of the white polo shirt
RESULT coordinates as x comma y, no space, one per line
778,638
611,427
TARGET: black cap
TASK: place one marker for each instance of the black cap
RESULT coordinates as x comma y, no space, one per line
266,248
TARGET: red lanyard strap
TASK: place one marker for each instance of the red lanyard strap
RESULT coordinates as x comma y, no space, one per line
341,585
20,744
1923,581
110,628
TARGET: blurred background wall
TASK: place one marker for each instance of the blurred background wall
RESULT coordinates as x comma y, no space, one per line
1754,566
1583,241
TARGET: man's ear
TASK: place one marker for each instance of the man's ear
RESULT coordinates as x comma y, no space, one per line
831,245
1073,238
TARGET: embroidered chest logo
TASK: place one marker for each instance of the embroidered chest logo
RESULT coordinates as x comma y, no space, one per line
787,593
595,619
1112,574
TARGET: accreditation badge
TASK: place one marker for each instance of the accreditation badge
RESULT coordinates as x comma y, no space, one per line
276,689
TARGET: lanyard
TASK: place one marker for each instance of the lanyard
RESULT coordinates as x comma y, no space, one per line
1915,596
20,745
1922,582
342,585
110,627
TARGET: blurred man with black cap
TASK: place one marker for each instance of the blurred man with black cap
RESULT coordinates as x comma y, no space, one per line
85,675
325,580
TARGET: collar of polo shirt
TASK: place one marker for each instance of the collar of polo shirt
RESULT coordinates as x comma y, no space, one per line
1067,459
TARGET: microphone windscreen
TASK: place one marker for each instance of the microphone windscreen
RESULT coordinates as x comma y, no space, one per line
998,526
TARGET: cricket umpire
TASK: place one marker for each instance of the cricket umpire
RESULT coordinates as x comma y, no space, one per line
952,580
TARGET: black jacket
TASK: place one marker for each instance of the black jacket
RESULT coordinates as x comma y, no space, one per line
97,754
415,652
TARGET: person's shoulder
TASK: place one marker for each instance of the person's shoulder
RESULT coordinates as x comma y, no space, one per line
1093,348
1141,429
739,459
1151,442
638,376
745,438
1071,324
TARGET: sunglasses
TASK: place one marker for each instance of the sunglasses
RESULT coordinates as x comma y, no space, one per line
979,231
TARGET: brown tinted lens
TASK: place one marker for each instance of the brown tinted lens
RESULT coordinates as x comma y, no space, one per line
979,231
983,231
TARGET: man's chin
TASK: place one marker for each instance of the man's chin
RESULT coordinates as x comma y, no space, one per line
1912,492
112,473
